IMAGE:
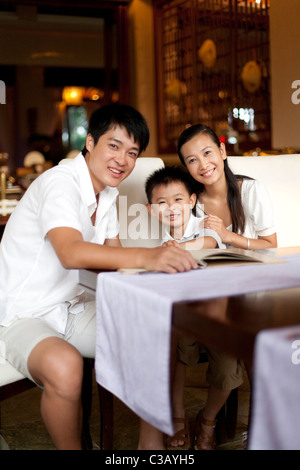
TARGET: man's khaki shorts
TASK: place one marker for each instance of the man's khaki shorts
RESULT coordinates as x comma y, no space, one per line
23,335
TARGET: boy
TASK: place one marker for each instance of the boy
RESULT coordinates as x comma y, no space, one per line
171,198
66,221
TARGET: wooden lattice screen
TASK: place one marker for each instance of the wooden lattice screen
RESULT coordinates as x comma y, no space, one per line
212,63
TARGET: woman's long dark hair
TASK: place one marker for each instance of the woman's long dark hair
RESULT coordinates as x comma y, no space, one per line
233,192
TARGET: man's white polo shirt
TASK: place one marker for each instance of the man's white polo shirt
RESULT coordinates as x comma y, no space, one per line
32,280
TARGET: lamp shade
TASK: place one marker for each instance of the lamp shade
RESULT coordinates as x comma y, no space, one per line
72,95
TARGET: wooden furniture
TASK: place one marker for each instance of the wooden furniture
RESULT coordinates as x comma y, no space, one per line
228,324
12,383
3,222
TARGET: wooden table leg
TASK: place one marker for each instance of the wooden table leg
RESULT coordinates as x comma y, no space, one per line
106,400
86,398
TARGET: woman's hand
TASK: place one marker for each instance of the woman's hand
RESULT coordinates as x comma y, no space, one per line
215,223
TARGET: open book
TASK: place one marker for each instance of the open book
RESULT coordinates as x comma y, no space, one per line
235,256
229,257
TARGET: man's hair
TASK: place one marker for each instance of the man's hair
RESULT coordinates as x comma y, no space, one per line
122,115
167,175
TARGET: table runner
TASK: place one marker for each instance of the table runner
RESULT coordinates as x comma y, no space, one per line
133,351
275,412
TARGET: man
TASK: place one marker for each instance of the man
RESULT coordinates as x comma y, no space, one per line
67,220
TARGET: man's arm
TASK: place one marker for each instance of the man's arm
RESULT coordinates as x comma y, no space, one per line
75,253
115,242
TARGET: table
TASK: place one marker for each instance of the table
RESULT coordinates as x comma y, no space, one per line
226,314
230,324
275,408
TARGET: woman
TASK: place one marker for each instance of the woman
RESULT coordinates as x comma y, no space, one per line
240,211
238,208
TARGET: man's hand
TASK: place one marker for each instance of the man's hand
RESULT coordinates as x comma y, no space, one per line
169,259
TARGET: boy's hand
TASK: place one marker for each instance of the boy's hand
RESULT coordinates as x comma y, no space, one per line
170,243
169,259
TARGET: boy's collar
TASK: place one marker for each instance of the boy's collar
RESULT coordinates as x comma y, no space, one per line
190,229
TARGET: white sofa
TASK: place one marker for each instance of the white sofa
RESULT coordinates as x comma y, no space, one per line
281,176
135,222
279,173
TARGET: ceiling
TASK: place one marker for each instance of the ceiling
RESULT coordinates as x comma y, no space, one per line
73,7
90,8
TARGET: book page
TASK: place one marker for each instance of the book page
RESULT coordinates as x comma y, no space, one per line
236,256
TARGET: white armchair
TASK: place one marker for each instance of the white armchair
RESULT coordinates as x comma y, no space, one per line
135,222
281,175
12,383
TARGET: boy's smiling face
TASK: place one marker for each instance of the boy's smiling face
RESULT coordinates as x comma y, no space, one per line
172,204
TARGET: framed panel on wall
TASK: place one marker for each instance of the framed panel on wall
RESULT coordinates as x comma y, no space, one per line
212,66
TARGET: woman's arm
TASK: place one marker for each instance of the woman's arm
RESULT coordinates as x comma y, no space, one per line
239,241
260,243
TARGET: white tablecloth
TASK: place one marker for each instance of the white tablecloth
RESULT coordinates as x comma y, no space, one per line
275,414
134,316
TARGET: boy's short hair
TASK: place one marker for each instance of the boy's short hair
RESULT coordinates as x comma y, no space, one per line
122,115
167,175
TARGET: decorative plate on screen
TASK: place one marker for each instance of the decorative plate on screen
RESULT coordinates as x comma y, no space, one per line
34,158
251,76
208,53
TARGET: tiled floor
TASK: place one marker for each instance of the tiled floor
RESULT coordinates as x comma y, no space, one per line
23,428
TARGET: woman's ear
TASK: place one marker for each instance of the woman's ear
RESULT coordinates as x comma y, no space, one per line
223,151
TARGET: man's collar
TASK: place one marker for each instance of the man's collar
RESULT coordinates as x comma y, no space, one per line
86,184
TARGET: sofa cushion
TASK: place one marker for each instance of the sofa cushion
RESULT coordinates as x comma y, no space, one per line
281,176
8,374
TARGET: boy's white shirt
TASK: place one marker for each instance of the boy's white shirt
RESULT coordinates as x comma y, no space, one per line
194,230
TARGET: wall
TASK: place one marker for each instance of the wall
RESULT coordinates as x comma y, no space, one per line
143,66
33,39
285,69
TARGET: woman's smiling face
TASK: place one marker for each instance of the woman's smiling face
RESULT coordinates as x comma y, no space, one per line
204,159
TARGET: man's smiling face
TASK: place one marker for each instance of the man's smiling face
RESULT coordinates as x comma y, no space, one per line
112,159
